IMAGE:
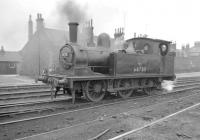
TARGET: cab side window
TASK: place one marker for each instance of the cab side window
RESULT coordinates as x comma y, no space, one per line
147,49
163,49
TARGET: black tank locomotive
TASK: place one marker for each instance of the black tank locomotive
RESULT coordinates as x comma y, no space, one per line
93,72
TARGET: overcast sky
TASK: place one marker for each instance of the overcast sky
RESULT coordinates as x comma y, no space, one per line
176,20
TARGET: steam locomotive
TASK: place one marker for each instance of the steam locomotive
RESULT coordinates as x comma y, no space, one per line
92,72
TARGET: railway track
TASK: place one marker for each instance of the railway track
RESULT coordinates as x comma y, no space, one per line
22,87
64,103
39,100
44,92
71,108
178,82
17,112
187,79
30,92
19,97
125,107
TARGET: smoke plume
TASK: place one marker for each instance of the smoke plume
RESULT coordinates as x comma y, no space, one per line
72,11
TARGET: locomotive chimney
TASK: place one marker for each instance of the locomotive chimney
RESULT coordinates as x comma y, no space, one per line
73,27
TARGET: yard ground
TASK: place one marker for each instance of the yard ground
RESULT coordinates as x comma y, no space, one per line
16,80
185,126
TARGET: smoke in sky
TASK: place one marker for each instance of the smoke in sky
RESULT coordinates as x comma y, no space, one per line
72,11
136,16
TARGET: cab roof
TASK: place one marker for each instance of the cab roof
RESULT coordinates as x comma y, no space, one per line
149,39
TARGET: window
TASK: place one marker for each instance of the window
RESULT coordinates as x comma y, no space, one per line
147,49
164,47
12,65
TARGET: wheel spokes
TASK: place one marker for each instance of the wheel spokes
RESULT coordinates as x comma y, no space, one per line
125,84
94,91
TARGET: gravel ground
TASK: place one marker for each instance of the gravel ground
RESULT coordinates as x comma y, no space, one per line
16,80
117,124
184,126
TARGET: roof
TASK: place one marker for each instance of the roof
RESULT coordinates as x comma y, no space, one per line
10,56
151,39
56,36
49,38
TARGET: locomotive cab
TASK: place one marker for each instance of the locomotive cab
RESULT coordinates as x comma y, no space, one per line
145,56
142,45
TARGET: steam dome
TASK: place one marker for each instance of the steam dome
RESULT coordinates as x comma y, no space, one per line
103,40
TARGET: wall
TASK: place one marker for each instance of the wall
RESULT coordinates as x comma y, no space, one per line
41,52
187,64
6,67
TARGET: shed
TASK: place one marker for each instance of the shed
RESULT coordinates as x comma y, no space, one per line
9,62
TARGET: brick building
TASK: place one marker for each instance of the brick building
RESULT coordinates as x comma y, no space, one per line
9,62
42,48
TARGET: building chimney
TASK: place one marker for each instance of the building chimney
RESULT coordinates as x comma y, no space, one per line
89,33
135,35
115,34
40,22
30,28
119,33
73,29
2,52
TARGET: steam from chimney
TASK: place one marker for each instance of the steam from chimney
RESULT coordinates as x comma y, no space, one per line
72,11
